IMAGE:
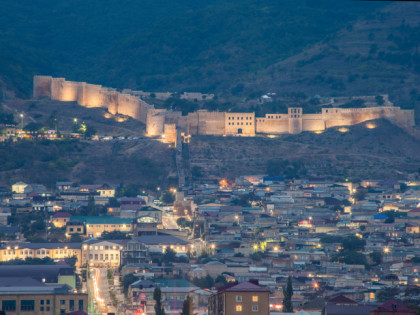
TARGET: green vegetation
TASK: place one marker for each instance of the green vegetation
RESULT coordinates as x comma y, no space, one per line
187,306
391,214
387,294
6,119
205,283
182,222
46,162
161,43
127,280
288,293
115,235
29,261
280,167
157,296
376,257
170,257
351,251
167,197
257,256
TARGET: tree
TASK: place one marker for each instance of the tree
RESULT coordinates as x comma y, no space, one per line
360,193
169,256
91,208
288,293
90,131
205,283
187,306
350,257
353,243
167,197
196,171
71,260
387,294
157,296
220,280
127,280
76,238
115,235
376,257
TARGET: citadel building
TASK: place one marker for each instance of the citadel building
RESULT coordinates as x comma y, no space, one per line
166,123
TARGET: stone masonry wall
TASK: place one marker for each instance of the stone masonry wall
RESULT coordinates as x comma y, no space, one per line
211,123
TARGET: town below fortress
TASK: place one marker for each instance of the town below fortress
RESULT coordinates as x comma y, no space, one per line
168,124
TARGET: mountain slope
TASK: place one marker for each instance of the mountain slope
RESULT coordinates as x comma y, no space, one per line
377,55
384,152
160,44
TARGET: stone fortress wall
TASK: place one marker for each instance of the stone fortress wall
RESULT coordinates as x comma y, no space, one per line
161,122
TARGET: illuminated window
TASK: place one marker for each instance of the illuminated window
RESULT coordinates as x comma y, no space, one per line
239,298
255,298
239,308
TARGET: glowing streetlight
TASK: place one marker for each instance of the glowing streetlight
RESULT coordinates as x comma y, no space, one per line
75,120
386,250
21,120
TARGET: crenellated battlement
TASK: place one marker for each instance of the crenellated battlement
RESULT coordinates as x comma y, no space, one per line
163,123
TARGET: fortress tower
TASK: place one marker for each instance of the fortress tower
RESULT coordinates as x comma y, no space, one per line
295,120
42,86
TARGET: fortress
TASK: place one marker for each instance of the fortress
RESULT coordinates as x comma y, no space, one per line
166,124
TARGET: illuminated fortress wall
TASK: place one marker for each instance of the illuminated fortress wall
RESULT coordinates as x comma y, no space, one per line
202,122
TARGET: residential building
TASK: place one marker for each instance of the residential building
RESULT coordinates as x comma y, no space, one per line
240,298
25,295
60,219
95,226
55,251
102,253
133,252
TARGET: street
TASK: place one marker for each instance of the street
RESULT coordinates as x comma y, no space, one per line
99,292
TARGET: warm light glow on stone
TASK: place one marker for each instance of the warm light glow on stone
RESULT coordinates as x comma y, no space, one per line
370,125
343,129
121,119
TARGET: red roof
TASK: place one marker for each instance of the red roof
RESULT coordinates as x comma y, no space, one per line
415,210
341,299
61,215
246,287
393,306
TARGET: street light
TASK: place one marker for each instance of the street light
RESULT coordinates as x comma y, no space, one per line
21,119
75,120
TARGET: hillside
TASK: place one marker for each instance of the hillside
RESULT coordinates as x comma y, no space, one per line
384,152
376,55
45,162
160,44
